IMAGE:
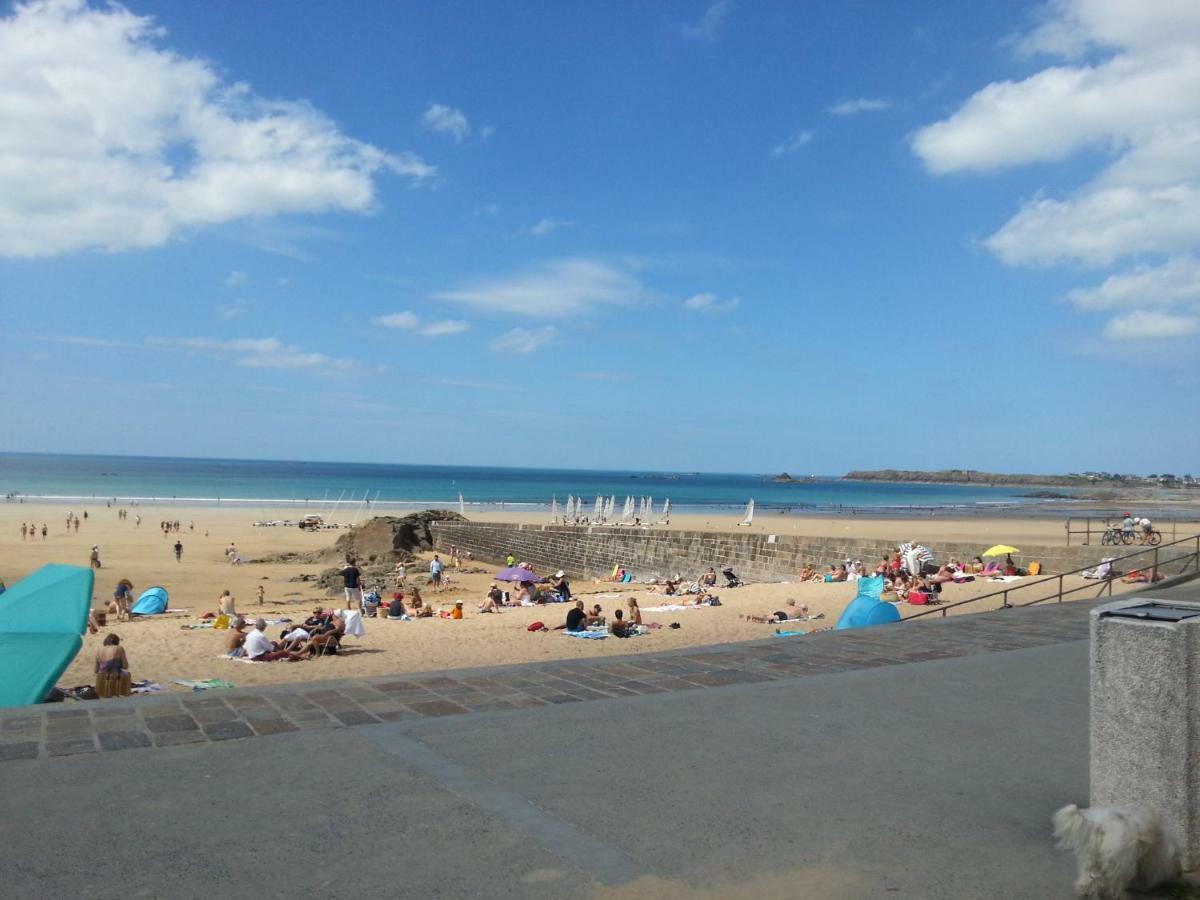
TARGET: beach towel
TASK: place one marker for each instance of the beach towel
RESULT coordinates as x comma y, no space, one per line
145,687
670,607
588,635
1005,578
354,622
231,658
779,633
203,684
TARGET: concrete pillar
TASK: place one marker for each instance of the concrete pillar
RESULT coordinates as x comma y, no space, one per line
1145,713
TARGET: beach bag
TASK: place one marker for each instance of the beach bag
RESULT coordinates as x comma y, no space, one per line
1035,568
536,626
918,598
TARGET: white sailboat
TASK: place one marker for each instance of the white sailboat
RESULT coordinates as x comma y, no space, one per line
749,518
554,510
665,518
597,508
462,507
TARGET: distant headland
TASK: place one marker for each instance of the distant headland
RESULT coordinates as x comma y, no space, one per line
1074,479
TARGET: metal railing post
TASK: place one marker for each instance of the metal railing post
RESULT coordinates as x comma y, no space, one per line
1060,588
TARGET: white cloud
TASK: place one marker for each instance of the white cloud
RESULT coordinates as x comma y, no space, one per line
258,353
234,279
409,321
490,209
1175,282
524,340
112,141
232,310
1129,89
1147,324
447,120
566,287
709,303
795,142
486,132
405,320
860,105
444,327
549,226
709,26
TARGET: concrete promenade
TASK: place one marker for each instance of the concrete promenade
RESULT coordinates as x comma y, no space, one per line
919,760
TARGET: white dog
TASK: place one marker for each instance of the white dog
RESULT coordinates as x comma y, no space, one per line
1116,847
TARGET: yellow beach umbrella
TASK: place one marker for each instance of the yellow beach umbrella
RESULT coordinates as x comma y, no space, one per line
1000,550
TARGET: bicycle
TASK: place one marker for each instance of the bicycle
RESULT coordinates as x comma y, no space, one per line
1151,538
1114,535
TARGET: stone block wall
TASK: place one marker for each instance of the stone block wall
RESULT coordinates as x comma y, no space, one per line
591,551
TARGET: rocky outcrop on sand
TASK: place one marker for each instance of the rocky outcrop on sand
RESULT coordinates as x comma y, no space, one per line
377,545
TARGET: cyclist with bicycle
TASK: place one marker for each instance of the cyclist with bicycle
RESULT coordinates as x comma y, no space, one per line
1147,528
1127,526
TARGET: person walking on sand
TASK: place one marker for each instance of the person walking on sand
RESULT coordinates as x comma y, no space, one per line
24,530
178,551
45,531
262,594
95,556
352,579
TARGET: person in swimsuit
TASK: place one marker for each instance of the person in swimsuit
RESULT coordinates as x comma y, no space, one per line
619,628
635,611
237,637
793,613
111,659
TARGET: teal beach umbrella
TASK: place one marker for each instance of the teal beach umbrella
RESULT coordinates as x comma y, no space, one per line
41,620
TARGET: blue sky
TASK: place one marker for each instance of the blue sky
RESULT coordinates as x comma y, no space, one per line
724,236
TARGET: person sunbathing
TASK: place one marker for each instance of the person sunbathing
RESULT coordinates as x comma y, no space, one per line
619,627
236,638
226,605
839,573
793,612
418,608
635,611
260,648
319,644
596,616
494,600
111,658
807,572
709,578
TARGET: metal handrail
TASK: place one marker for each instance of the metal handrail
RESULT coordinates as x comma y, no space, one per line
1107,522
1105,585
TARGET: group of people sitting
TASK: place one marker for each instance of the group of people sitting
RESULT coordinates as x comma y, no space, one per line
319,635
622,625
556,589
673,587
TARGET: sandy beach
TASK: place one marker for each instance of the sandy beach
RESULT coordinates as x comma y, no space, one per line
162,651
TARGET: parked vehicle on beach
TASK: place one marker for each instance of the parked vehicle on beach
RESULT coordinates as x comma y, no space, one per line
312,523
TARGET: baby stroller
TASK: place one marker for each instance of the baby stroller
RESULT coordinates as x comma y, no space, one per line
731,579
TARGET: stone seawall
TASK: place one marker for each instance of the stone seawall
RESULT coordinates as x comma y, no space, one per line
591,551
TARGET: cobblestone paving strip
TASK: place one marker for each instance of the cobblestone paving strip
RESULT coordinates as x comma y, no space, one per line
165,721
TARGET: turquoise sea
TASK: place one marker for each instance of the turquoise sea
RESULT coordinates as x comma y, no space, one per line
318,485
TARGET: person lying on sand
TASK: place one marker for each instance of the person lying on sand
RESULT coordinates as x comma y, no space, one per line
793,612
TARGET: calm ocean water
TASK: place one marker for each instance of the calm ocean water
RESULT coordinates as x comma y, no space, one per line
318,485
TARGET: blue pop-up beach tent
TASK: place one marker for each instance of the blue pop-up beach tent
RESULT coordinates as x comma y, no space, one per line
152,602
41,620
866,608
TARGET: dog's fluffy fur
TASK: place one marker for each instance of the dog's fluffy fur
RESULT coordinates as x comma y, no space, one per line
1117,848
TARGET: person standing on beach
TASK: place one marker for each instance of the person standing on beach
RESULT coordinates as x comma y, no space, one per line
24,530
95,557
45,531
178,551
262,595
435,572
352,579
510,560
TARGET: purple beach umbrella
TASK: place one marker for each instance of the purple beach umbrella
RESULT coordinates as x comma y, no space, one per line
516,573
